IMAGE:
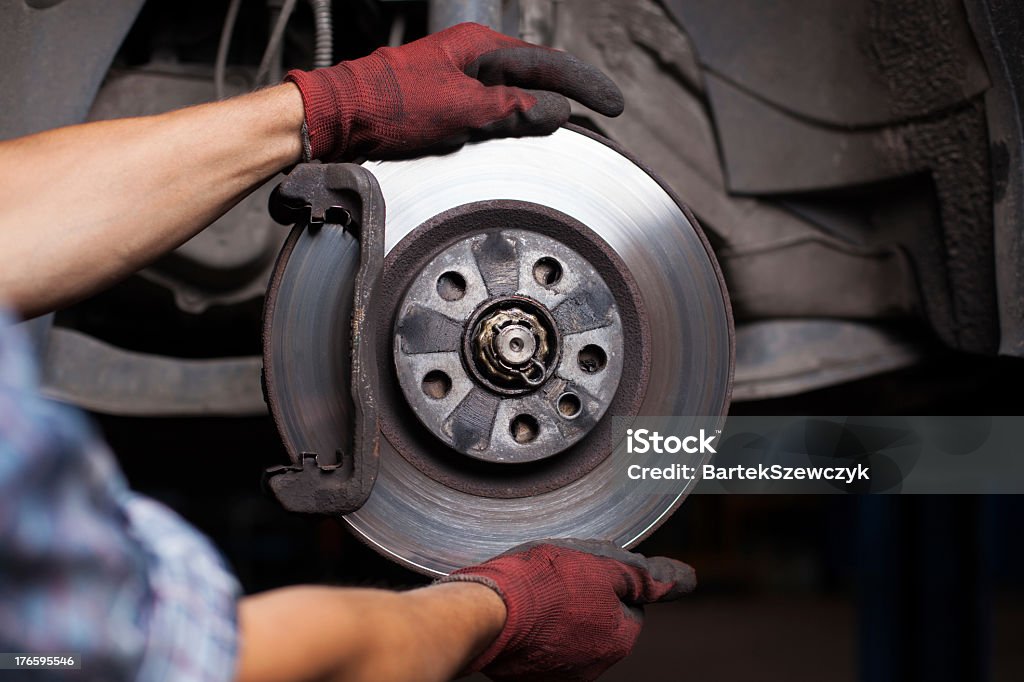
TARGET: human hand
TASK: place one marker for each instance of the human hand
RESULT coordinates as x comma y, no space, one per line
466,82
575,607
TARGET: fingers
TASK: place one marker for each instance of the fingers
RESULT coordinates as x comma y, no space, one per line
602,548
466,41
641,580
439,148
540,68
498,111
681,577
533,112
644,580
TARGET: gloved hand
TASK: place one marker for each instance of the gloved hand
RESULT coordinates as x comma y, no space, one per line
575,607
438,92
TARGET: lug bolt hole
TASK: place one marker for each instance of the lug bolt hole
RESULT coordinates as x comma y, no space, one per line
524,428
547,271
569,405
436,384
451,286
592,359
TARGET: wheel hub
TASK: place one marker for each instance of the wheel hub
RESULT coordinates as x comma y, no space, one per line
509,348
507,392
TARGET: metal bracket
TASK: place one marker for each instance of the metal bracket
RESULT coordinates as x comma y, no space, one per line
347,197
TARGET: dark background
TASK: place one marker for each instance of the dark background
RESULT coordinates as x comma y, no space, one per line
791,587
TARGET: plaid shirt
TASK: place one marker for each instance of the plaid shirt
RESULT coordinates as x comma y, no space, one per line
87,566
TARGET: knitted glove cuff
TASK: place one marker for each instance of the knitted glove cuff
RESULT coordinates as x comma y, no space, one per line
512,625
329,106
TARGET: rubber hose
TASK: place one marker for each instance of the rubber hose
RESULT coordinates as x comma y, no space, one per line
276,36
323,53
220,64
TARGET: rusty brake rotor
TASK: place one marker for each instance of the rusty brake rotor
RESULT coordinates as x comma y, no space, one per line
633,260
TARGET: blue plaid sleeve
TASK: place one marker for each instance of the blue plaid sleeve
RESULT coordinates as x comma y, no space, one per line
87,566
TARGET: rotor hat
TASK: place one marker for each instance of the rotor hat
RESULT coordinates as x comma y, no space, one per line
516,397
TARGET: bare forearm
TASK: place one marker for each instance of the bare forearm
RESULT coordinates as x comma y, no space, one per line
84,206
350,635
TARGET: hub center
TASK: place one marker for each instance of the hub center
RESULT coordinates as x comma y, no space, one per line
508,346
511,344
515,345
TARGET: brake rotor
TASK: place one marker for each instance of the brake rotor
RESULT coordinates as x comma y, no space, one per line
665,334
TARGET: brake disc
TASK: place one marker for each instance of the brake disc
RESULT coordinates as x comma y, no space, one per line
534,289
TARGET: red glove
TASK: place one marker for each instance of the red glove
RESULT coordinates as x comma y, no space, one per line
436,93
575,607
